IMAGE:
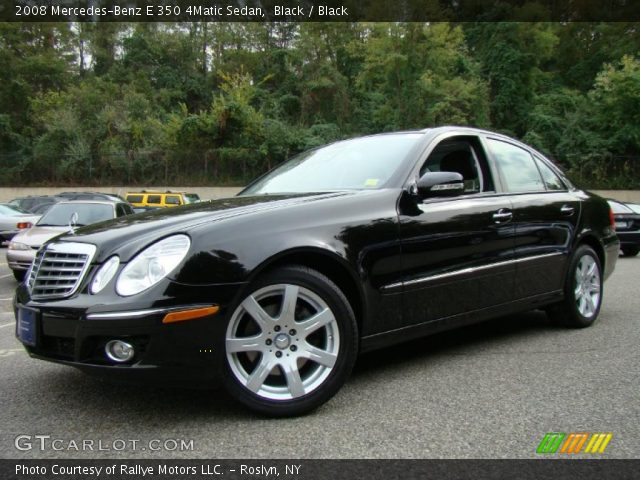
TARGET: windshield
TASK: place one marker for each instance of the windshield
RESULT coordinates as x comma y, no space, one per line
191,198
60,214
361,163
11,210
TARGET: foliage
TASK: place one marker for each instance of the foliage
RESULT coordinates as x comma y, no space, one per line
223,102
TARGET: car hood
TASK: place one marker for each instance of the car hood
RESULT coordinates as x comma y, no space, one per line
36,236
127,235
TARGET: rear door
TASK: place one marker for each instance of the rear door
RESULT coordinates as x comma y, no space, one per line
457,253
545,216
154,200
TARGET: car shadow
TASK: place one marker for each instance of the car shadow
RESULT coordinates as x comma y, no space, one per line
459,341
96,397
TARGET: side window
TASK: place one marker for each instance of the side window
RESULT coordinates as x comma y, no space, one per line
128,210
134,198
172,200
154,199
465,156
551,179
517,166
120,210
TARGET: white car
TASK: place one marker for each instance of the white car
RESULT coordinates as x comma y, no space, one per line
13,219
60,218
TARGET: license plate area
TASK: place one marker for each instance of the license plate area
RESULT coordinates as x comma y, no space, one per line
27,326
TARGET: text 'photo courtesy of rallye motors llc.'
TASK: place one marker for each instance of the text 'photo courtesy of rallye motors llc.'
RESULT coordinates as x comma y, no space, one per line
346,248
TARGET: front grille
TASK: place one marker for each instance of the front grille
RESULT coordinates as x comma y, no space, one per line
59,268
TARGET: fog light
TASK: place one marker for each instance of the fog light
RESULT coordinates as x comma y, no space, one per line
119,351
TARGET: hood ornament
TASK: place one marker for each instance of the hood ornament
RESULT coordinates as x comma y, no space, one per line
73,222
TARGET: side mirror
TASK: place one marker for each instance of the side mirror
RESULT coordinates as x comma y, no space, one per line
440,184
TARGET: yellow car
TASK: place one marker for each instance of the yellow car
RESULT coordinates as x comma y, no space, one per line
150,199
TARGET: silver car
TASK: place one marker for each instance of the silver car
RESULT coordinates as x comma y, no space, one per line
13,219
60,218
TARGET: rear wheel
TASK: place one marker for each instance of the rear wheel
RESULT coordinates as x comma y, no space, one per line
630,251
583,291
290,343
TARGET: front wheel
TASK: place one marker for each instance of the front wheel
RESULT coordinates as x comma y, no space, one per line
290,343
582,291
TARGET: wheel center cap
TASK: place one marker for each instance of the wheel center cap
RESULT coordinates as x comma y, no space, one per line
282,341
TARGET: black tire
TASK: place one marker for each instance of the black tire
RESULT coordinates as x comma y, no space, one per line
631,251
236,377
568,312
19,275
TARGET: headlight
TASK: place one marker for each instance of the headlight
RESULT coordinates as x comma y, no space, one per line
104,274
152,265
18,246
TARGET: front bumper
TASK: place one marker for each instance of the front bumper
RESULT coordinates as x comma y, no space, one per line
74,332
629,239
7,235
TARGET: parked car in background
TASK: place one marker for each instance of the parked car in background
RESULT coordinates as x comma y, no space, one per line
110,197
32,203
13,219
161,199
627,218
145,209
61,217
345,248
42,208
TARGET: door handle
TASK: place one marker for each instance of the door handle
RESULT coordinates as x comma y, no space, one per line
503,215
567,210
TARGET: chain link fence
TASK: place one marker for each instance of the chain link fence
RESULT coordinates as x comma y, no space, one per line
604,171
238,166
225,166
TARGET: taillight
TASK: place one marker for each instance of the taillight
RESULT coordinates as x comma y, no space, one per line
612,219
24,225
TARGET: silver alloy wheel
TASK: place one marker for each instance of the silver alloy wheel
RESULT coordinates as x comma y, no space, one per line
587,287
296,346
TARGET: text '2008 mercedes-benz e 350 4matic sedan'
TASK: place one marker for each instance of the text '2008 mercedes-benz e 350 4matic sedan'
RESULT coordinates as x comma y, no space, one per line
343,249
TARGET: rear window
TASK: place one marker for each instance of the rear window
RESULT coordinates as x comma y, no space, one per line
134,198
11,210
551,180
519,171
157,199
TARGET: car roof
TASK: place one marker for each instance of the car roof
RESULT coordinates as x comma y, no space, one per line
448,128
97,202
619,206
157,192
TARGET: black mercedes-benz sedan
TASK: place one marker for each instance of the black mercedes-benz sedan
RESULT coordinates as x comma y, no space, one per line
343,249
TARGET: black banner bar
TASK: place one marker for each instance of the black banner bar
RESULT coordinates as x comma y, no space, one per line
317,11
317,469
